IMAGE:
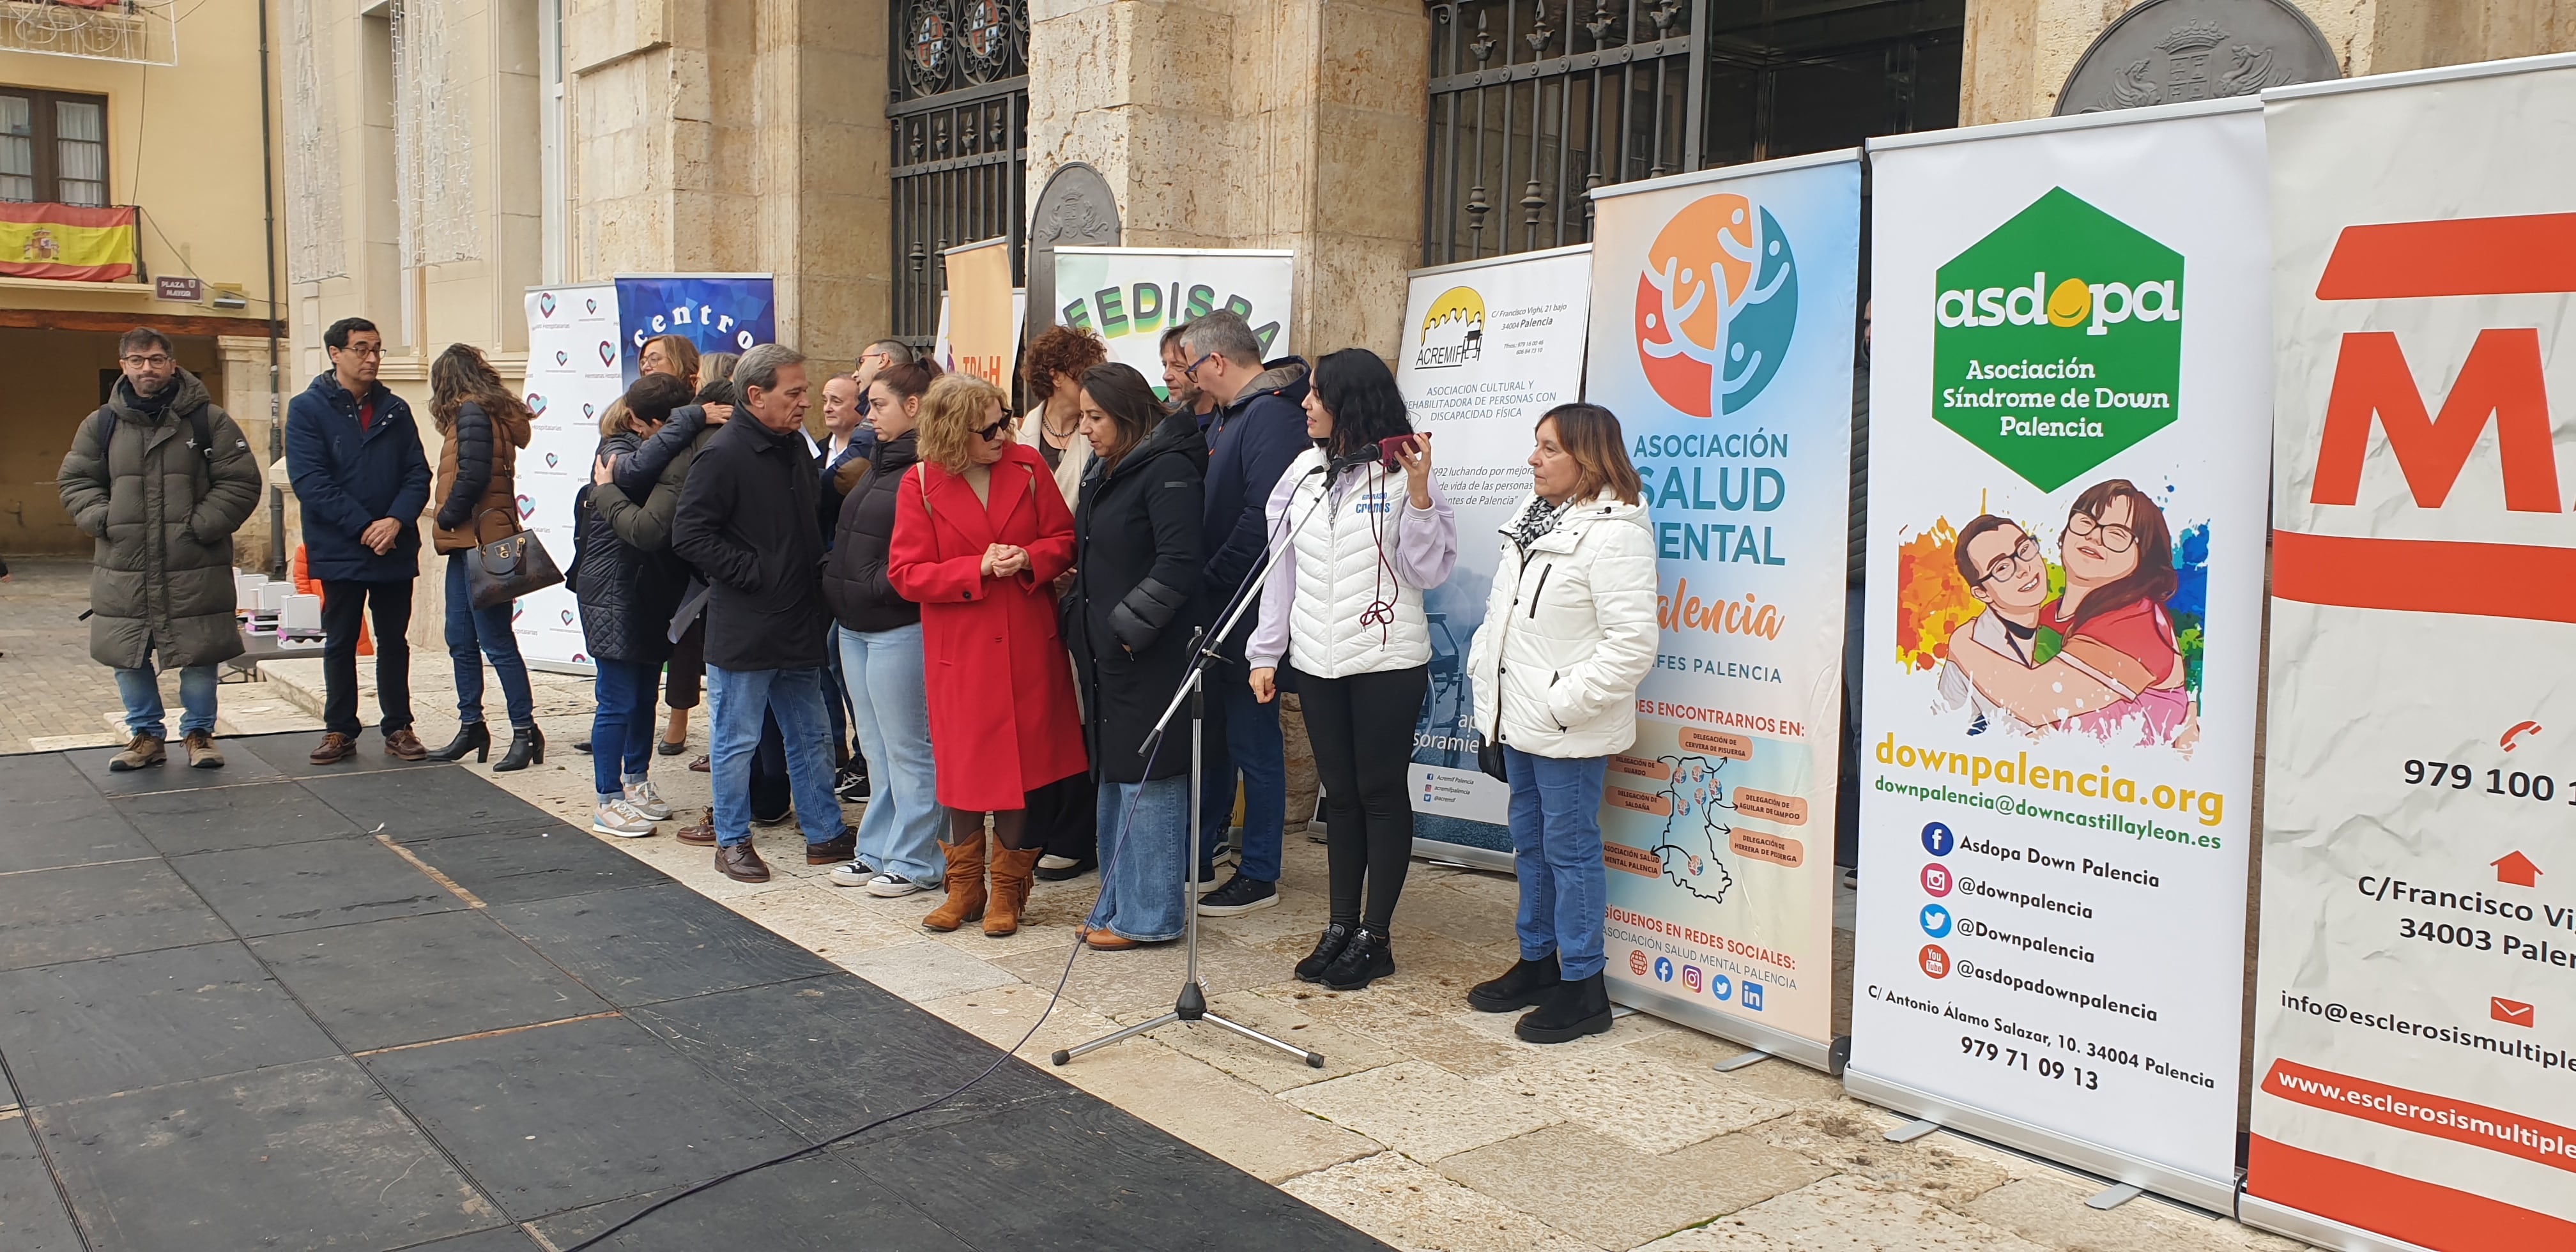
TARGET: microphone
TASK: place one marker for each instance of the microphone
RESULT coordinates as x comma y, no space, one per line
1370,454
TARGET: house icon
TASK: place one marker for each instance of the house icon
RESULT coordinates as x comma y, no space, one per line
2516,870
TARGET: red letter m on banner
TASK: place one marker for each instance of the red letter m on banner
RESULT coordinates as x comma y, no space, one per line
2502,379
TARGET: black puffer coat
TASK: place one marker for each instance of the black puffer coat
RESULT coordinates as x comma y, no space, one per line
1138,561
854,576
627,581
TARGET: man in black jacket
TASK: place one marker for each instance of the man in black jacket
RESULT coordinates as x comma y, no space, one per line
746,522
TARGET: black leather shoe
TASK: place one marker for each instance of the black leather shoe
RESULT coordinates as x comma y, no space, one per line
474,737
1367,958
1523,985
527,744
1336,937
1573,1010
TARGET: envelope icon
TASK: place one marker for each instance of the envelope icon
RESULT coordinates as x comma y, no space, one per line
2510,1012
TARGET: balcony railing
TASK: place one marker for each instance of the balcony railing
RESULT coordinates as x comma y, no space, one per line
144,32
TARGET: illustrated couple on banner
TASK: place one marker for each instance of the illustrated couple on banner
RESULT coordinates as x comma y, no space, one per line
2102,656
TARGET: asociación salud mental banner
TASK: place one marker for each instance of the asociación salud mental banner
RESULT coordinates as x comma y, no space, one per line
1488,346
2069,407
1130,296
1723,313
2415,1000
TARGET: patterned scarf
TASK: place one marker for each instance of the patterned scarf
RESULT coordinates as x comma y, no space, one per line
1537,520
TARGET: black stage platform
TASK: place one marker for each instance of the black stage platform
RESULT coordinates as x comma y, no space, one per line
236,1015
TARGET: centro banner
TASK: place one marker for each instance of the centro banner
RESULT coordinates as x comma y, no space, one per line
572,378
2415,998
1130,296
2063,634
1488,347
716,312
1723,311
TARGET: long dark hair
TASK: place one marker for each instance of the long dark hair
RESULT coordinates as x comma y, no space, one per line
1128,401
2151,539
461,374
1355,386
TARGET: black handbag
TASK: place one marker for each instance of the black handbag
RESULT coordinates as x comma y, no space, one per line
1489,758
508,568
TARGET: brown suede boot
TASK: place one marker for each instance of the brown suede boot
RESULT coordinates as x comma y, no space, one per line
965,885
1012,871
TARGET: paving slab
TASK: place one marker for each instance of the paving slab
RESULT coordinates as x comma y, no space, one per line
89,1028
75,830
1613,1195
290,753
307,886
32,1218
43,776
645,944
1228,1118
1281,1016
241,765
2050,1209
426,802
1408,1205
414,979
826,1201
1845,1214
1650,1104
85,911
924,970
1422,1110
1851,1137
515,866
254,815
498,1239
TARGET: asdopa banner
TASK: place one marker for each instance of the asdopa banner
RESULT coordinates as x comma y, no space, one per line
2415,999
2069,415
1129,296
572,379
1488,347
1723,310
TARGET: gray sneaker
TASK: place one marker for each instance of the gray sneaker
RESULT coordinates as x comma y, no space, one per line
852,873
641,796
617,817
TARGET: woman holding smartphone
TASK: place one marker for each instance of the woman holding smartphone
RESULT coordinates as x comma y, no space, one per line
1365,535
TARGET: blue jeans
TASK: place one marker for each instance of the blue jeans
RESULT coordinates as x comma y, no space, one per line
142,691
621,727
736,699
1255,747
473,634
1556,850
1143,828
890,708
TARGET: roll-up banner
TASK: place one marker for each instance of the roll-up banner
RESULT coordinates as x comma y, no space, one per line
572,379
1723,311
716,312
1129,296
2063,633
1488,346
2415,996
979,325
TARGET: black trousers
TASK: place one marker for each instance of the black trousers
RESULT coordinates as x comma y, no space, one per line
344,605
1066,815
1362,729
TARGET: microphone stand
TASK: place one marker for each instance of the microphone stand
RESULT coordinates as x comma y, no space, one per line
1191,1004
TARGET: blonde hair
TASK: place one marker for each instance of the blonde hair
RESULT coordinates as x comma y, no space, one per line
613,422
951,412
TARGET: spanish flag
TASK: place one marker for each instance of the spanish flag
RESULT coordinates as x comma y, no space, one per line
66,241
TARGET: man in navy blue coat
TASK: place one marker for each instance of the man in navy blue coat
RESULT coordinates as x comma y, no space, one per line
1256,429
354,454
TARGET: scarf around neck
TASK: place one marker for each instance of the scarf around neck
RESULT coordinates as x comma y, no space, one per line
1536,520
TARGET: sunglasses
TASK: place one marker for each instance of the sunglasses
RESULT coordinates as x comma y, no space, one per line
994,431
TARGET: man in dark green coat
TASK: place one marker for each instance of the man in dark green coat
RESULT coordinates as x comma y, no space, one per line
161,478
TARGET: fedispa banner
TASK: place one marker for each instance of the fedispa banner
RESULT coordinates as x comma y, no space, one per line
1488,347
1723,309
572,378
2069,416
716,312
1130,296
2415,1001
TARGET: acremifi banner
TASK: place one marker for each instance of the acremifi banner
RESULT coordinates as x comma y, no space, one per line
1488,347
2415,996
1130,296
2069,419
572,379
716,312
1723,314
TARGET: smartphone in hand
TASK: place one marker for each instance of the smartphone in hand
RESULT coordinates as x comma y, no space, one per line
1391,450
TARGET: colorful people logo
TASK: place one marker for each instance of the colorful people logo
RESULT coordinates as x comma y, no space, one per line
1453,331
1717,304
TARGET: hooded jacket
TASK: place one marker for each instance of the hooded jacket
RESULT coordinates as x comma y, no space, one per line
626,580
746,523
346,478
1250,443
478,477
854,576
163,512
1136,594
1569,632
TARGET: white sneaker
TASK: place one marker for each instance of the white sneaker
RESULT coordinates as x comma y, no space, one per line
852,873
617,817
641,796
893,886
1052,861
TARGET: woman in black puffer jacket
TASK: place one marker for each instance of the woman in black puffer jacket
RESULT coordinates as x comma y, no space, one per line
628,584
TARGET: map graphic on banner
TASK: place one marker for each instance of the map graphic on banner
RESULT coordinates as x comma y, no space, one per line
1723,312
717,312
1488,347
2415,993
1130,296
2062,637
572,378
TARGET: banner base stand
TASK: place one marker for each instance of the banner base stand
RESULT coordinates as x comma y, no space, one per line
1911,1131
2112,1165
2325,1232
1763,1039
2114,1197
1459,856
1740,1060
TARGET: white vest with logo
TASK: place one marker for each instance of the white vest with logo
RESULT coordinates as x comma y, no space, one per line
1351,615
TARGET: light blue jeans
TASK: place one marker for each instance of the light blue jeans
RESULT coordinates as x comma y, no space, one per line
735,699
1556,850
1144,837
141,688
890,710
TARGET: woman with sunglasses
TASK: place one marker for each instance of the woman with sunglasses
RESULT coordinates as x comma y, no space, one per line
980,534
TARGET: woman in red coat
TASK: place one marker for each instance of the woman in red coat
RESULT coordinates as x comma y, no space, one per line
980,534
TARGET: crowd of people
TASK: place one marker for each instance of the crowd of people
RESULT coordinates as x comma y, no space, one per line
973,619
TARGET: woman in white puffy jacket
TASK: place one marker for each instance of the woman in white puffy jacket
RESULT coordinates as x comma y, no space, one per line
1569,633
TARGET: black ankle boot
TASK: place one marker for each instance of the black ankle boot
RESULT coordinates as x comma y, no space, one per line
1573,1010
527,744
1336,937
474,737
1364,960
1525,984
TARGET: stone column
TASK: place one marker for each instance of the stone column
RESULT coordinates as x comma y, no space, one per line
258,411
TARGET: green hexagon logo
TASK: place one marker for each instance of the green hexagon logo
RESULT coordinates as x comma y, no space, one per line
2057,340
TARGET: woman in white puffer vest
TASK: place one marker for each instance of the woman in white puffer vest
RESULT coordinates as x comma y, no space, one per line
1569,632
1344,607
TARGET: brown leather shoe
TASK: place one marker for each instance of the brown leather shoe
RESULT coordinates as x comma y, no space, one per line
1103,940
406,746
741,862
335,748
201,751
143,750
702,765
703,834
833,851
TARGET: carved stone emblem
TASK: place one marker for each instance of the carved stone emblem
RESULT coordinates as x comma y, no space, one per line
1076,209
2169,51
